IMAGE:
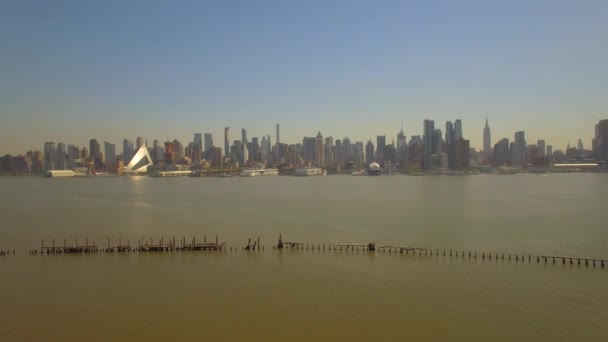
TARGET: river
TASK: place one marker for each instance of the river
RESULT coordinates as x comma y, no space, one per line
306,295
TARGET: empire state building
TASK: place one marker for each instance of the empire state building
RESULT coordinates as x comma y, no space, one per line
487,138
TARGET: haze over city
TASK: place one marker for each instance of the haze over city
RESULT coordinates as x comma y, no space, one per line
113,70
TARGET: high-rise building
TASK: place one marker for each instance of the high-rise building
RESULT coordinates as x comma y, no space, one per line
227,140
170,154
380,147
347,150
254,149
580,145
178,149
458,130
139,141
549,151
218,158
308,149
50,152
277,157
487,139
264,148
359,154
329,155
110,156
369,152
518,149
197,147
319,150
94,149
338,152
540,145
60,157
208,141
462,154
450,143
244,140
128,150
198,140
72,155
602,140
501,153
429,133
401,146
437,142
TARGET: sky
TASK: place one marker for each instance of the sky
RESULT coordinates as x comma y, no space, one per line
75,70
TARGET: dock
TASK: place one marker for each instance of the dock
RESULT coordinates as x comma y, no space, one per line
371,248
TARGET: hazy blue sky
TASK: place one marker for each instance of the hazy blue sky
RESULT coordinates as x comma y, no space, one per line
72,70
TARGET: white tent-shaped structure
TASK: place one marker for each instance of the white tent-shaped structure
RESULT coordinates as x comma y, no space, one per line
140,162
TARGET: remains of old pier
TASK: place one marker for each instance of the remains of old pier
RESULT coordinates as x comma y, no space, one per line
170,245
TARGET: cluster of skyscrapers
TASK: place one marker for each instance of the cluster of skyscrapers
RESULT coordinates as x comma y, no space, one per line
434,150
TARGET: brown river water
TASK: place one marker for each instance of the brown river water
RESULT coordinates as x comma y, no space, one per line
305,295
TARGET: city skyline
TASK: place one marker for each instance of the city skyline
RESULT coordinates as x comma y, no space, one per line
537,67
391,138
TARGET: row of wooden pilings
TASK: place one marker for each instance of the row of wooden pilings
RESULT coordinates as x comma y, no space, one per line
170,245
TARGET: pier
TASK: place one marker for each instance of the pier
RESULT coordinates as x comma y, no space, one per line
170,245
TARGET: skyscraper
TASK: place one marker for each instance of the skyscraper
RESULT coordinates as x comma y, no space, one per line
227,140
458,129
359,155
128,151
50,152
602,137
197,148
277,159
380,146
329,156
308,148
208,141
60,157
501,153
244,136
580,145
401,146
540,144
319,150
518,149
429,133
449,143
369,152
462,154
264,150
487,139
109,156
438,142
178,149
347,150
139,141
94,149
